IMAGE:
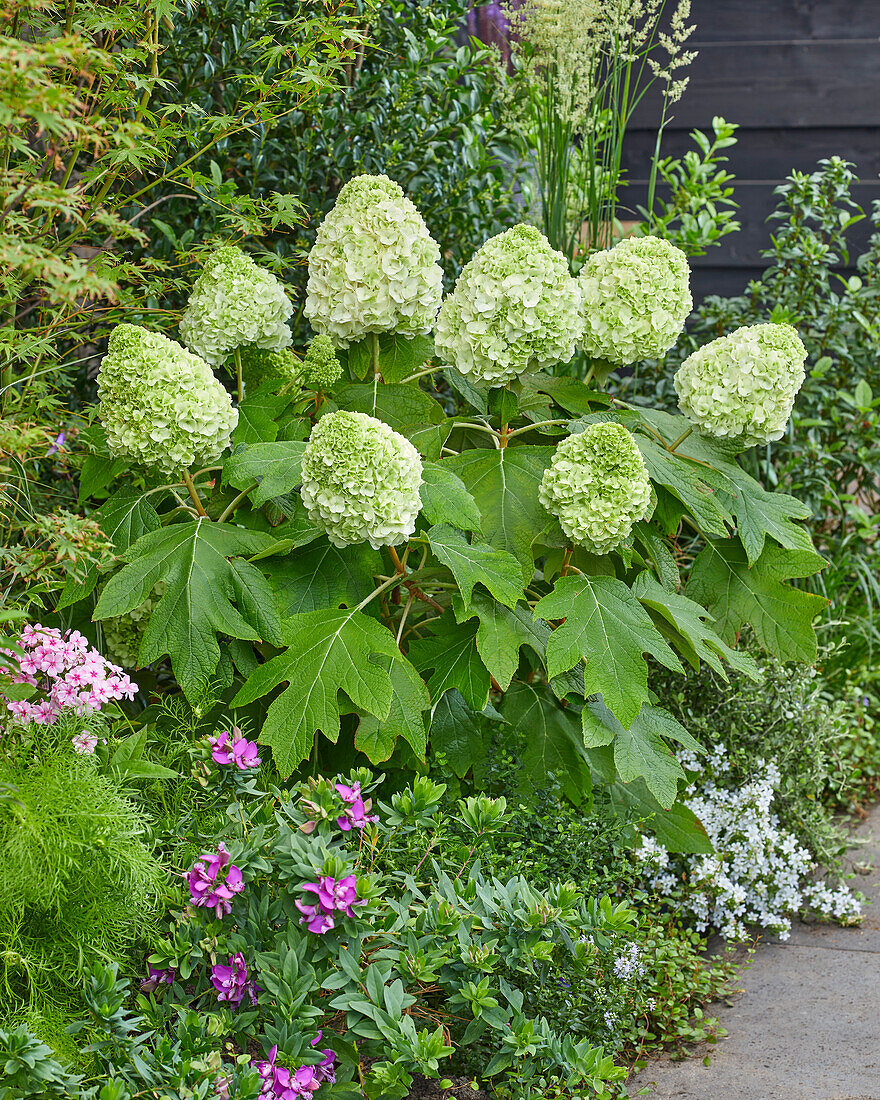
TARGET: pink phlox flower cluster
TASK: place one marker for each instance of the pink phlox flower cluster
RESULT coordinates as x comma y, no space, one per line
356,810
234,749
284,1084
84,743
232,982
334,896
211,890
74,676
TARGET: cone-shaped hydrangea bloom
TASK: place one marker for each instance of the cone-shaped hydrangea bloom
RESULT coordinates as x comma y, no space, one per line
515,308
597,485
160,404
321,366
743,385
259,364
234,302
636,299
360,480
374,267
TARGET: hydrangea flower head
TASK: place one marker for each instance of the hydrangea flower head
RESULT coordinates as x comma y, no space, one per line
213,882
743,385
258,365
636,299
374,267
515,308
322,368
597,485
360,480
160,404
234,302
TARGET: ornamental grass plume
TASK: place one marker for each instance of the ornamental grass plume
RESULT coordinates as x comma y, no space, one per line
374,267
597,485
161,405
360,480
743,386
235,303
636,299
515,308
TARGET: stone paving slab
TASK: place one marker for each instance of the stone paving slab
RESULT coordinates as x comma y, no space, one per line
807,1026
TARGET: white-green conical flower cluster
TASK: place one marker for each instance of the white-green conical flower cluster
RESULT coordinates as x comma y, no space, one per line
743,386
374,267
597,485
360,480
160,404
636,299
515,308
234,303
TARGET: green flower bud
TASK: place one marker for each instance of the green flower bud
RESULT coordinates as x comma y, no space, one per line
515,308
234,302
743,385
322,368
374,266
636,299
160,404
597,485
360,480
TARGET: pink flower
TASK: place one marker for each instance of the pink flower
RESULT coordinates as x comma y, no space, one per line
231,982
85,743
206,886
334,895
315,918
155,978
65,694
22,710
45,713
238,750
356,811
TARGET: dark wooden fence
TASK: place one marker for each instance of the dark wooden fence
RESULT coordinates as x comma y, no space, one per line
802,79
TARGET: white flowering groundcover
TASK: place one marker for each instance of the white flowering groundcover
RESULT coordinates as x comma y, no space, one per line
420,529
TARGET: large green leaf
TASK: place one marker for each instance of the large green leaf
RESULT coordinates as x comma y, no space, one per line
477,563
694,485
501,632
407,409
274,466
692,633
759,514
445,499
398,355
329,651
451,651
323,576
376,737
206,594
676,828
505,483
458,732
641,751
123,518
553,742
607,628
736,593
257,418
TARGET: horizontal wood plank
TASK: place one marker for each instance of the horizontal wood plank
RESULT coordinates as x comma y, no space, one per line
775,85
781,20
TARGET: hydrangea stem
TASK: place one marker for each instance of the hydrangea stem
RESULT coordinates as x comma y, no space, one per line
239,381
673,446
374,353
194,496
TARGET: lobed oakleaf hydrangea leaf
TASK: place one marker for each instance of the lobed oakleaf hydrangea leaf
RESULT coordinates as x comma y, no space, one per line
501,633
505,484
458,732
737,592
445,499
690,482
329,651
607,628
477,563
206,594
450,653
376,737
324,575
275,467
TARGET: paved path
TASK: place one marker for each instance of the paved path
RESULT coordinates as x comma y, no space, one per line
807,1026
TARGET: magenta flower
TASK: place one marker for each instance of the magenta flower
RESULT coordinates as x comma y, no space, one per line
355,815
206,886
155,978
280,1084
334,895
237,750
58,445
232,982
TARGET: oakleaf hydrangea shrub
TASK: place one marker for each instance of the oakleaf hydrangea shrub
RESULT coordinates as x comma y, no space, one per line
636,299
298,944
759,874
360,480
161,405
515,308
743,386
374,267
597,485
235,303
